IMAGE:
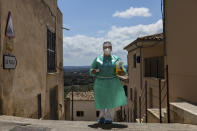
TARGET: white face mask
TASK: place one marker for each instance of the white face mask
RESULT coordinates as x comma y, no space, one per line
107,51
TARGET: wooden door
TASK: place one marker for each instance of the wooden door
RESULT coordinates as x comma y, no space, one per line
54,103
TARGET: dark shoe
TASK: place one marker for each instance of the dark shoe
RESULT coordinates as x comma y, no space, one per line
108,122
101,120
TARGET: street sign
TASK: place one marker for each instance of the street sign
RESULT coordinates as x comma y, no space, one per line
9,32
9,62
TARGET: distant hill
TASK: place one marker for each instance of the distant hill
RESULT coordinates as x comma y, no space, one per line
76,67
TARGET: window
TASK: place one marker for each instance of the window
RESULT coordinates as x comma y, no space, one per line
51,51
138,59
126,90
150,97
80,113
134,60
154,67
39,106
97,113
131,94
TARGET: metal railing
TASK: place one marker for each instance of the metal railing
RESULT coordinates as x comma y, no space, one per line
163,99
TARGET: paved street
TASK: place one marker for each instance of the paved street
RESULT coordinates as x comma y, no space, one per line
9,123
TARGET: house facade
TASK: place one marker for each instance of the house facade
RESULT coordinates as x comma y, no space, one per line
81,108
31,59
145,66
168,63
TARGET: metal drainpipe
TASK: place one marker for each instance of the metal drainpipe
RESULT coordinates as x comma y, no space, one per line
165,54
160,111
140,108
141,68
72,103
164,26
146,102
140,79
158,77
168,101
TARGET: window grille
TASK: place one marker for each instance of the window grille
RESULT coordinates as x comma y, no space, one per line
154,67
134,60
131,94
51,51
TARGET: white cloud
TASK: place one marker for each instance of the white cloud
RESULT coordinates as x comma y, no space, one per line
81,49
132,12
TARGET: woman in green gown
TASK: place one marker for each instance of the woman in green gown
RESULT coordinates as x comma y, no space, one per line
108,90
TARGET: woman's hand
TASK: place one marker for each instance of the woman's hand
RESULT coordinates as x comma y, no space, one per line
93,71
121,73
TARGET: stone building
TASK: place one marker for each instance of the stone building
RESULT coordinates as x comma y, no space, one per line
83,107
145,65
179,57
31,59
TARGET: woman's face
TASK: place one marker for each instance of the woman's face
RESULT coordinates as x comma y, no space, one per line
107,50
105,47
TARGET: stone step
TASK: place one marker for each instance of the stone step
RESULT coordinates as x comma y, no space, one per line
183,112
10,123
154,117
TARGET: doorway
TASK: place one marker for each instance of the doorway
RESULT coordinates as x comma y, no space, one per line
150,97
135,105
39,106
54,103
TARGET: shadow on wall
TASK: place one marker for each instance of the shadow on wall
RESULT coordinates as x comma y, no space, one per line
180,99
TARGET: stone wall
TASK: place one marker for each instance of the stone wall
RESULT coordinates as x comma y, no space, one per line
19,87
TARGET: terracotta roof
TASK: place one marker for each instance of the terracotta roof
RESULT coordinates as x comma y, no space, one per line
155,37
84,96
152,37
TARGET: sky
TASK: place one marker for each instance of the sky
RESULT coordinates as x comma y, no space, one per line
91,22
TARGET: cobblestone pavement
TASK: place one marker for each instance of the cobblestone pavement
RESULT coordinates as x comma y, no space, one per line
10,123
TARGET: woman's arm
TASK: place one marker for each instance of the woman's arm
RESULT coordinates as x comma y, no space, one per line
93,67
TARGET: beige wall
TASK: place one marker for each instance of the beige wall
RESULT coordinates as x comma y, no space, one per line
153,92
86,106
181,30
134,78
134,81
153,83
156,50
19,87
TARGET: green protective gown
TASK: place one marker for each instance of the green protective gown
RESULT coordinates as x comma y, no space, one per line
108,90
